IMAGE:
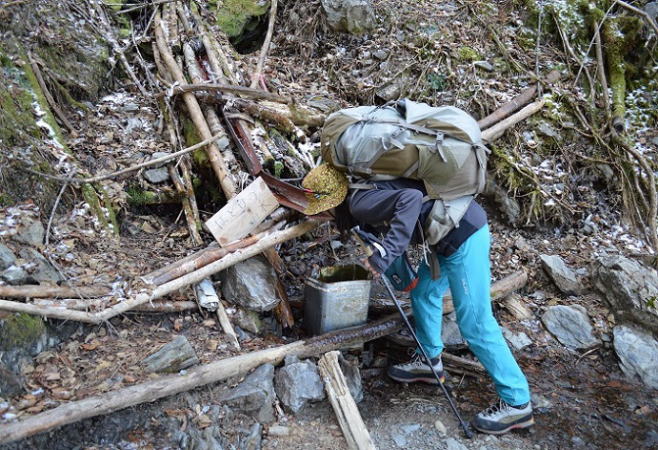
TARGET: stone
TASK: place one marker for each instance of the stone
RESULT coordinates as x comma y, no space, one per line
350,369
352,16
159,175
250,284
253,440
399,440
14,275
450,334
31,234
7,257
249,320
484,65
539,402
518,341
10,383
389,92
508,206
570,325
172,357
638,353
516,306
298,382
411,428
380,54
442,430
278,430
255,395
547,130
454,444
43,270
563,277
629,288
158,155
651,9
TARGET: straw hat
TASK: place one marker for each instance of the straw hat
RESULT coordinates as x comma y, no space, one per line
325,187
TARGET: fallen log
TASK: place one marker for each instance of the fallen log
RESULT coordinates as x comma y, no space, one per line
214,155
158,306
255,94
497,130
516,103
205,374
350,421
143,297
37,291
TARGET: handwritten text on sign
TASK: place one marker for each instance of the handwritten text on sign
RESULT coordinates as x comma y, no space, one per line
243,213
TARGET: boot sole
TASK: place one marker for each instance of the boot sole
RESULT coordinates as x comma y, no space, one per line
517,426
419,379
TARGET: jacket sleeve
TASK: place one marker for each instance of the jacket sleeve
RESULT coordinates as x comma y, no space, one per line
399,207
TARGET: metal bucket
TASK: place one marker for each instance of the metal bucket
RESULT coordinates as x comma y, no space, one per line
337,299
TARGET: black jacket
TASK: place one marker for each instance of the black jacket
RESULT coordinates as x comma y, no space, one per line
396,210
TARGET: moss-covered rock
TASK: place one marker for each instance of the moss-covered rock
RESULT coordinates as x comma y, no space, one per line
234,15
20,330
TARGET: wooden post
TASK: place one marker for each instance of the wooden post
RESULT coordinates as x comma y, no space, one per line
350,421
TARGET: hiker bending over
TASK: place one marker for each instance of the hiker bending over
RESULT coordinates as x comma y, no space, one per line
449,223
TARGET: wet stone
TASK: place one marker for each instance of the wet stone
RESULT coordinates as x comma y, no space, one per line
570,325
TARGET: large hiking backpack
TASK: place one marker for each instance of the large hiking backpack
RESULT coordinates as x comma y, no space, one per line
441,146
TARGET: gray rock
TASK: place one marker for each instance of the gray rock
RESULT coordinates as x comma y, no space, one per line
249,320
638,353
14,275
440,428
539,402
206,439
352,16
563,277
278,430
159,175
570,325
43,271
298,382
31,234
254,395
399,440
172,357
454,444
250,284
628,286
547,130
652,10
253,441
518,341
7,257
380,54
350,368
450,334
411,428
484,65
158,155
508,206
389,92
11,383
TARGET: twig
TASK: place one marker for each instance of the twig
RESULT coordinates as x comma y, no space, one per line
590,351
144,5
126,170
266,45
591,42
644,15
601,70
52,214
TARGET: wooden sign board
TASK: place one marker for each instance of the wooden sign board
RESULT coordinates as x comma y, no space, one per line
243,213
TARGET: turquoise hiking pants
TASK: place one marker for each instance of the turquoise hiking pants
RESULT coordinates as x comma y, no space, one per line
467,273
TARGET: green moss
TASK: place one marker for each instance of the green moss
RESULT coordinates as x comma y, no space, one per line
19,330
468,54
278,168
141,197
614,47
233,15
41,99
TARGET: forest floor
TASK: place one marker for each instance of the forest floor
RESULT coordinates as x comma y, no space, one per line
582,399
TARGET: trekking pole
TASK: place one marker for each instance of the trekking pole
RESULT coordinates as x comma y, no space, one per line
405,319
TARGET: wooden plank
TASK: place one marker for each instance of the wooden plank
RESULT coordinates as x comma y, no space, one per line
347,412
243,213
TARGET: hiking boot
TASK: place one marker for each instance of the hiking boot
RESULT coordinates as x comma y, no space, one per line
501,418
417,370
